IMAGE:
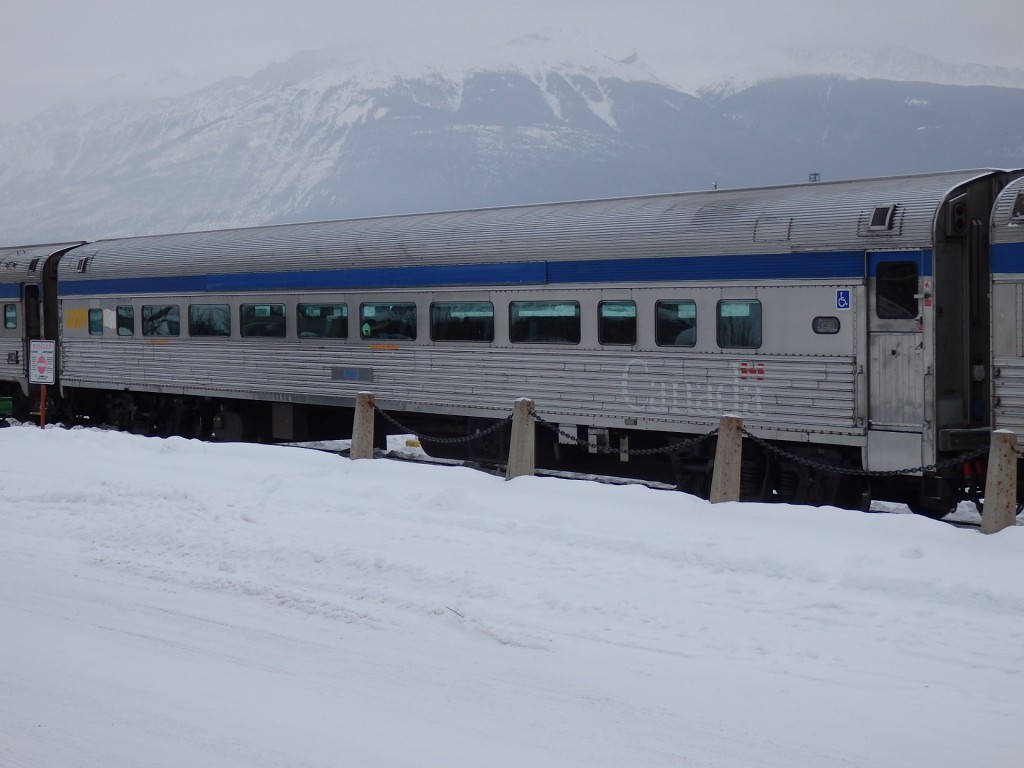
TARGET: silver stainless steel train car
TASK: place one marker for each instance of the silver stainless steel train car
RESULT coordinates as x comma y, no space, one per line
22,275
848,323
1008,309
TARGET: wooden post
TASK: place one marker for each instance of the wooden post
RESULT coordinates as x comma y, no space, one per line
521,458
362,427
725,480
1000,509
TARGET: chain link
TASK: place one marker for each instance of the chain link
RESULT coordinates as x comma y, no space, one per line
689,443
444,440
835,469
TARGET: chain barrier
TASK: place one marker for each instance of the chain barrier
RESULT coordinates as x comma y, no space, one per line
834,469
444,440
689,443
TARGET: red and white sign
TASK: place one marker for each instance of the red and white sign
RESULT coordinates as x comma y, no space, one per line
42,362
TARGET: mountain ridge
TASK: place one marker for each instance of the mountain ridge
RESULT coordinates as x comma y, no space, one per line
323,136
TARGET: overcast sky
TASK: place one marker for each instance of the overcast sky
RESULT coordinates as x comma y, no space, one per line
53,48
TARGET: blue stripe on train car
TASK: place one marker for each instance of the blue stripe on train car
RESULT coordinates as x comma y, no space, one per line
341,279
1008,258
923,259
10,291
843,265
788,266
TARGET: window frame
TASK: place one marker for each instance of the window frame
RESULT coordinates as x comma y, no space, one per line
514,321
397,320
719,325
603,329
246,326
11,316
147,328
194,327
479,332
1017,209
120,315
302,332
897,298
95,321
674,341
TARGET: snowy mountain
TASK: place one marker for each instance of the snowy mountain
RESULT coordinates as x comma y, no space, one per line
866,62
324,136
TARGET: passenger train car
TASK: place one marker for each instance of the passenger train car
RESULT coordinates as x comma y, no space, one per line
849,324
1008,309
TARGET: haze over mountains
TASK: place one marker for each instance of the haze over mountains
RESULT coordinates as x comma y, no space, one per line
321,137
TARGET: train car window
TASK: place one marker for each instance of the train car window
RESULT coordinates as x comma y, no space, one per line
95,322
739,324
881,218
546,322
1018,207
462,321
616,322
387,321
263,320
825,325
10,316
126,320
209,320
161,320
675,323
324,321
896,290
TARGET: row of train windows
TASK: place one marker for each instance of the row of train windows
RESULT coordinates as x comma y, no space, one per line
738,322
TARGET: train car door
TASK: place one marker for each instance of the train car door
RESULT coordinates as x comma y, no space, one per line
897,359
33,327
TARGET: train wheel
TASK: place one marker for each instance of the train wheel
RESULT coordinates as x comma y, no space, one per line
755,475
854,493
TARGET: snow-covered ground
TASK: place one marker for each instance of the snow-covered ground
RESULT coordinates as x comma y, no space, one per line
177,603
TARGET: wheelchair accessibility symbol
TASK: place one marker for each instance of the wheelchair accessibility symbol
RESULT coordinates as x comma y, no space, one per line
843,298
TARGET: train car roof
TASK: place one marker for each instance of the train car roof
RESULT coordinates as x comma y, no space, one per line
24,263
807,217
1008,214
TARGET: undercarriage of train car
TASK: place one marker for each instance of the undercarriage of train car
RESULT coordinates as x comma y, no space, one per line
797,473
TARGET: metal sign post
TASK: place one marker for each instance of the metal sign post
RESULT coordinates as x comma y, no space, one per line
42,366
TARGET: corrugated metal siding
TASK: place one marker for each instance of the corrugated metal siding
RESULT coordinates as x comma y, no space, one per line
14,262
897,386
1008,381
12,371
1002,230
1008,391
664,390
824,216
